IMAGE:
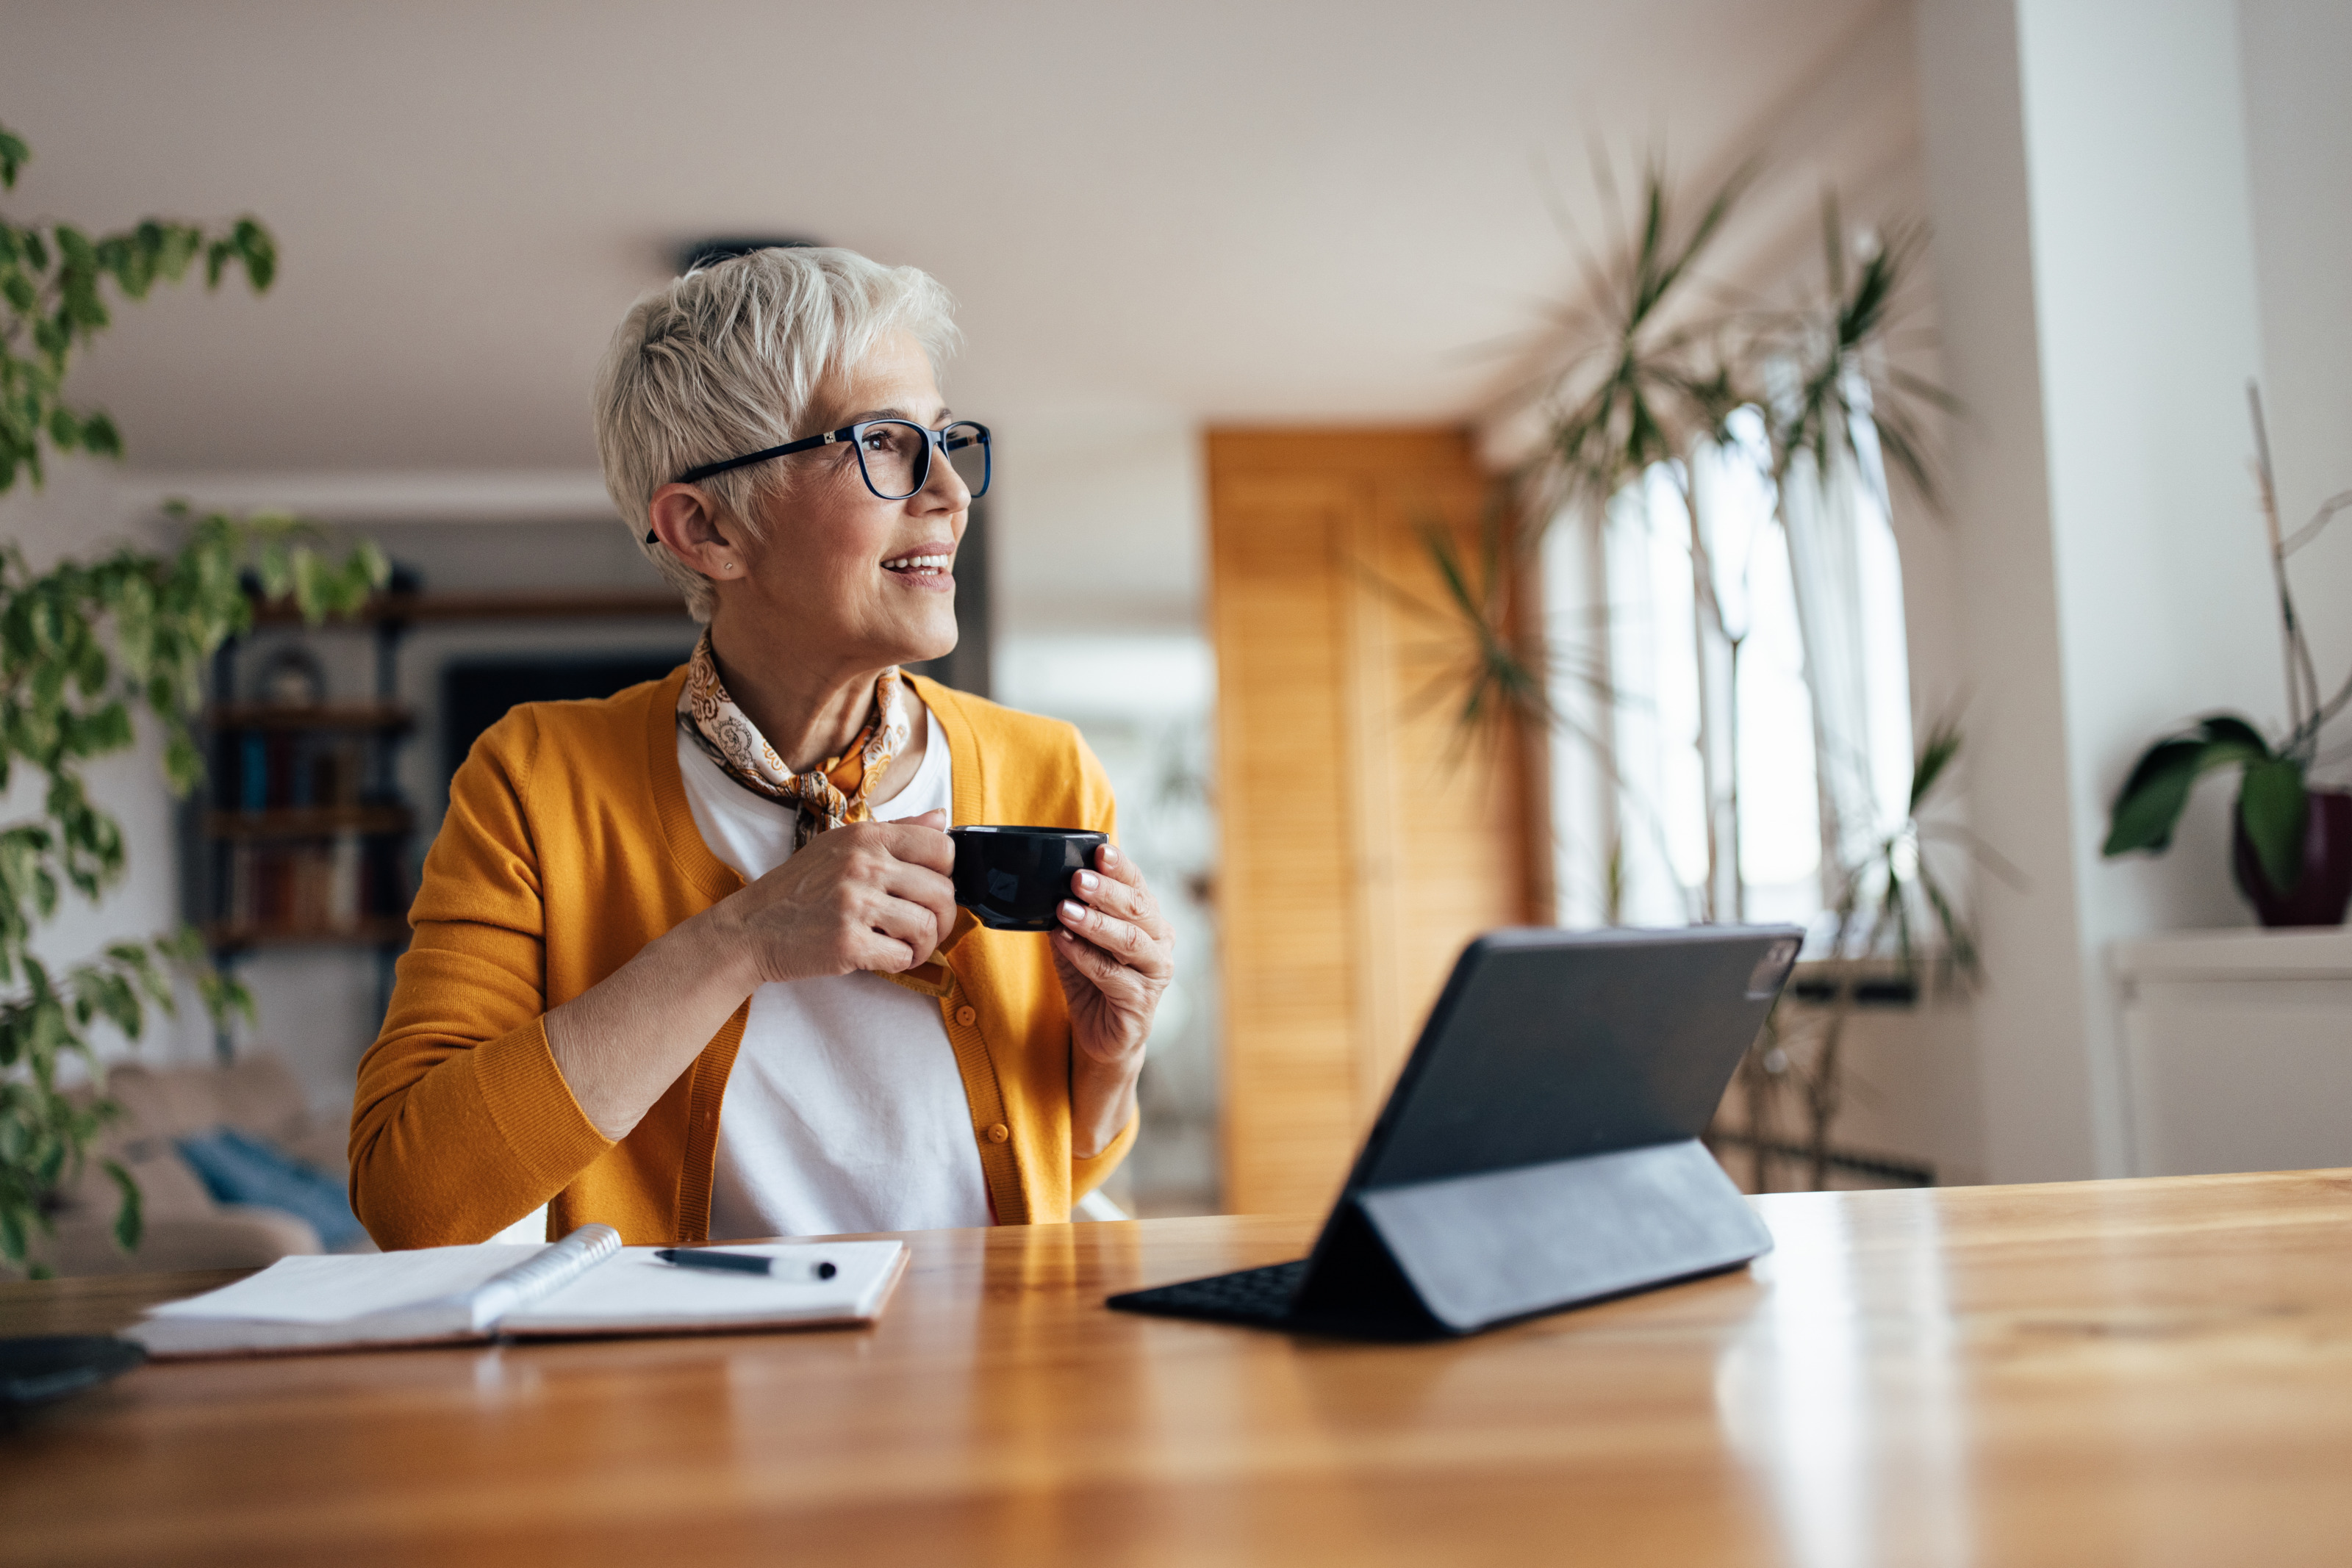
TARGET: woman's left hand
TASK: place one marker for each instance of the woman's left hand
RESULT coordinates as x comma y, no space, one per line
1116,955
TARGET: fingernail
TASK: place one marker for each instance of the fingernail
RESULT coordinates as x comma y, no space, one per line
1085,882
1109,856
1073,910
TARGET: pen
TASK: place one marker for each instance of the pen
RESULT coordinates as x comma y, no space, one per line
737,1262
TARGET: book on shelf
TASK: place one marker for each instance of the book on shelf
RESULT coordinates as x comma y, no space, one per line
313,886
307,847
280,770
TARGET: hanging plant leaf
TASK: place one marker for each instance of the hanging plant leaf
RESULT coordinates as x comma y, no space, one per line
83,645
59,311
130,1220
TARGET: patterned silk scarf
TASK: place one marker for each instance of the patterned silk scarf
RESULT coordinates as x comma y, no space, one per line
828,796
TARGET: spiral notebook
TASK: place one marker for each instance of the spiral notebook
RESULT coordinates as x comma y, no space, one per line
586,1284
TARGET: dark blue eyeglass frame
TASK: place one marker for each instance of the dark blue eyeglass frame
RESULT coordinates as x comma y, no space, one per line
955,437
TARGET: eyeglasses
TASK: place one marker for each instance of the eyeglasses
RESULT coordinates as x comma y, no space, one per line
894,455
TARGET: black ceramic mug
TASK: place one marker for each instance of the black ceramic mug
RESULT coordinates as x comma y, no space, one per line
1012,877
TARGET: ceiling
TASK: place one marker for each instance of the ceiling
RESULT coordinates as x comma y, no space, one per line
1174,213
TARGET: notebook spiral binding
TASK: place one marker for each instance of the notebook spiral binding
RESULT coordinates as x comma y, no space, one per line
543,1274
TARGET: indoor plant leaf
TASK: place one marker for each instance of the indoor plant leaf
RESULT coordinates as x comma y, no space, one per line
2148,809
2152,799
130,1220
1942,745
2229,729
2272,805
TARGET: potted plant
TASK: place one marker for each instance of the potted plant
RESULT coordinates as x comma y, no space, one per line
84,646
2291,849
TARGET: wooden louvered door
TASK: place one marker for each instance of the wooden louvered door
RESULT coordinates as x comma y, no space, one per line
1365,841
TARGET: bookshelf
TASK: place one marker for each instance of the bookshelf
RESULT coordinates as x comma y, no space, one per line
305,834
302,838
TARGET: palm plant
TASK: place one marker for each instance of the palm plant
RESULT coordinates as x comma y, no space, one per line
1637,375
1847,380
1896,919
1625,388
1646,375
1634,381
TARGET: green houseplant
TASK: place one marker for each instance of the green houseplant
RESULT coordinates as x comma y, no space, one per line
85,646
2292,841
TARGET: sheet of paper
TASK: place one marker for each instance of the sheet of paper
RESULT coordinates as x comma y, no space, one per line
334,1289
637,1288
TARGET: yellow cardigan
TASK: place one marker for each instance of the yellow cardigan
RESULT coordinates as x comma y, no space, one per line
569,846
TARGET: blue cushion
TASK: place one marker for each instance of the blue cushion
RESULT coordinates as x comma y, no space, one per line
237,1168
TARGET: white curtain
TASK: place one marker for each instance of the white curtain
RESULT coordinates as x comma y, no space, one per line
1823,690
1849,592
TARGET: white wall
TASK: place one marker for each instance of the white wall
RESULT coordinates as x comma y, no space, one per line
2297,58
2144,266
2087,171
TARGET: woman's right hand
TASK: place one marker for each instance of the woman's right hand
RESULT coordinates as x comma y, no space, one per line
874,895
868,896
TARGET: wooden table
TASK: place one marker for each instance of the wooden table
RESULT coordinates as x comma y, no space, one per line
2111,1371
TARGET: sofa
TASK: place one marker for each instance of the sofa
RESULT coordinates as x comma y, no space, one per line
186,1226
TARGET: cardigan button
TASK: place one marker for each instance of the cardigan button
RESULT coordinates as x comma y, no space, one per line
969,1016
999,1132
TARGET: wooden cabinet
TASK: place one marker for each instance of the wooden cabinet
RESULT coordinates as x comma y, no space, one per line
1365,837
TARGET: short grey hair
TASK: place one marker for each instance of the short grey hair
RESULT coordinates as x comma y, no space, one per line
734,357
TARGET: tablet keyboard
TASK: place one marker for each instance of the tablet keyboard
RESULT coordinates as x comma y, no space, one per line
1245,1296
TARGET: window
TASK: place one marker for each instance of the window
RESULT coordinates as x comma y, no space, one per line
1737,727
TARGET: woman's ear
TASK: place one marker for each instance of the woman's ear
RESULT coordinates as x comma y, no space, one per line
687,521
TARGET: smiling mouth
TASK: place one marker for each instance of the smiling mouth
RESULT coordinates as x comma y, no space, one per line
920,565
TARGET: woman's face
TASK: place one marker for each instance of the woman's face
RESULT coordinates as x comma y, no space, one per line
841,576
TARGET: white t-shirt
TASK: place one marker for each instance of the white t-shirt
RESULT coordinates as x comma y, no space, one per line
844,1111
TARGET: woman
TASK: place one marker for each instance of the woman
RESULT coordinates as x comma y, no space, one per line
686,961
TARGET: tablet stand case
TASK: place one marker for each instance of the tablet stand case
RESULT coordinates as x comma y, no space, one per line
1539,1148
1453,1256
